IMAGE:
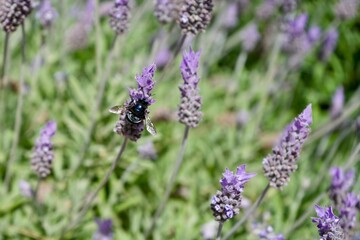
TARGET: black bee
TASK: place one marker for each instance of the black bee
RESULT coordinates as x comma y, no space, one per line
136,113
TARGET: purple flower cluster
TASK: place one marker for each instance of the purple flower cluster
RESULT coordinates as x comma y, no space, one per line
226,203
43,155
249,37
119,16
298,40
167,11
337,103
105,230
46,13
13,14
345,201
329,44
266,232
189,112
282,161
328,224
346,9
341,184
143,93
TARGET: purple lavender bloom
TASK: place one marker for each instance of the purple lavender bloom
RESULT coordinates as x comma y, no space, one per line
146,83
346,9
282,161
341,184
226,203
297,25
337,103
43,155
267,9
328,224
288,6
231,15
46,14
147,151
13,14
105,230
163,57
189,112
26,190
119,16
167,11
266,232
208,230
249,37
348,212
314,34
329,44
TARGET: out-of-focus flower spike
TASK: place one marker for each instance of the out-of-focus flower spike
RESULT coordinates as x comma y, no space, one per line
46,13
119,16
105,230
337,103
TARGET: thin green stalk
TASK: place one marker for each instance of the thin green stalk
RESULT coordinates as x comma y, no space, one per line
248,213
218,235
92,197
2,92
19,107
169,185
95,110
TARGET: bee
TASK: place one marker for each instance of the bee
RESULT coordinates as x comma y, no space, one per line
136,113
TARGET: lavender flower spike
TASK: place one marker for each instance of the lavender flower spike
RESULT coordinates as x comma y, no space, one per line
46,14
341,184
226,203
195,16
328,224
105,230
13,13
337,103
146,83
329,44
167,11
282,161
189,112
43,155
119,16
348,213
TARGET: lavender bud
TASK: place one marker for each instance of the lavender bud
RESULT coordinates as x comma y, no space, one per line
266,9
46,14
119,16
249,37
348,212
147,151
13,13
43,155
346,9
328,224
226,203
189,112
195,16
167,11
337,103
208,230
314,34
329,44
231,15
105,230
163,57
341,183
282,161
143,93
25,189
266,232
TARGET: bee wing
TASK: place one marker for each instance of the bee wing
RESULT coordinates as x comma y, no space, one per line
150,126
116,109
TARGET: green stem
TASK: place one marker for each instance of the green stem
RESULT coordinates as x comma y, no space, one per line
2,93
92,197
248,213
169,185
19,107
218,235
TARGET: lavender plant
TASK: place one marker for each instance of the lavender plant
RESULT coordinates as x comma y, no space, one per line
119,16
337,103
329,44
189,114
226,203
328,224
105,230
167,11
46,14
